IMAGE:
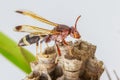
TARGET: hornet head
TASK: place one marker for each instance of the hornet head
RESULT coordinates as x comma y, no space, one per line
74,33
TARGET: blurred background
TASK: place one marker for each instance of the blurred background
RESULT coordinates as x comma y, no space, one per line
99,25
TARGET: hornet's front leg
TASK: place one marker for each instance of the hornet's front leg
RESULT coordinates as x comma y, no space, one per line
58,49
69,48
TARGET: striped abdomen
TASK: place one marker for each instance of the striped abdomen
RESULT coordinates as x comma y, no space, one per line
28,40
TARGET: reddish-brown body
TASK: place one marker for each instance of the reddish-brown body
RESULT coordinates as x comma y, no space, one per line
63,33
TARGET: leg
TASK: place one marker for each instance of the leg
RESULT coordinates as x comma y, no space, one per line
58,49
65,42
46,40
37,50
41,44
69,48
40,47
47,44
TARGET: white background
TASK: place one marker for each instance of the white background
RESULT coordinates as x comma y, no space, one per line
99,24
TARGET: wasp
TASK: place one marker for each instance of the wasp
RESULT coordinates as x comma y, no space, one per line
36,34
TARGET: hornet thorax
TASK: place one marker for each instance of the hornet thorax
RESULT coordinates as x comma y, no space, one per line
64,32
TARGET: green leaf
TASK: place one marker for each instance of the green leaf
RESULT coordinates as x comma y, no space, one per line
17,55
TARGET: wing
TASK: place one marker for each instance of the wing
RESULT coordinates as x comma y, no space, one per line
34,30
35,16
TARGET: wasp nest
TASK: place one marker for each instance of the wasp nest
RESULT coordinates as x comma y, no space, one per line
77,63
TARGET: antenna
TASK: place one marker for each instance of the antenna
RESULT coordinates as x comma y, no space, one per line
77,21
